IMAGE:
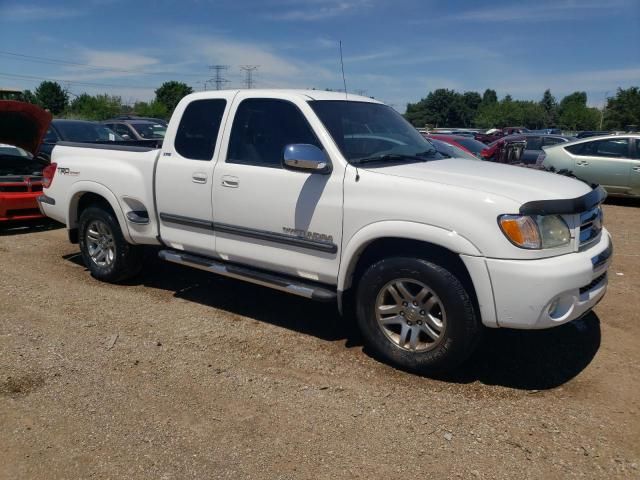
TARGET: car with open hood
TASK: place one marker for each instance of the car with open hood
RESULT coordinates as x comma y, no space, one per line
22,127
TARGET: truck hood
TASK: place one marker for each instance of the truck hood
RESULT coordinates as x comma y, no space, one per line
23,125
517,183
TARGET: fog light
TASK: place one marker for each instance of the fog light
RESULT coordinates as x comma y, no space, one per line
561,307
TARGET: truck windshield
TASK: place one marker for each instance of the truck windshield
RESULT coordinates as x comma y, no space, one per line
365,131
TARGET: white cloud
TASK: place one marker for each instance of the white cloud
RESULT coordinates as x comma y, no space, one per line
313,10
549,11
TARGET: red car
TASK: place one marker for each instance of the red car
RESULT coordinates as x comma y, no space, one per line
468,144
22,128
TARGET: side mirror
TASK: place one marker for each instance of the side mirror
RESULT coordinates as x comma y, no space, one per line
305,157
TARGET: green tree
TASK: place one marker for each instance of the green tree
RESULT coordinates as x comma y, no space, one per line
574,114
444,108
489,96
51,95
98,107
550,106
170,93
29,97
152,109
623,110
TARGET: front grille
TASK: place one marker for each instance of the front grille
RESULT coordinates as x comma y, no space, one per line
595,282
590,226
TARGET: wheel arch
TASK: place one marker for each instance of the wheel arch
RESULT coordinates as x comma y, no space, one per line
385,239
85,194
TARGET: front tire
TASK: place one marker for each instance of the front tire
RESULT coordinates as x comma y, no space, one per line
416,315
104,250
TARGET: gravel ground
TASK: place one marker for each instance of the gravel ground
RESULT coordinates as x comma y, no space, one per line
181,374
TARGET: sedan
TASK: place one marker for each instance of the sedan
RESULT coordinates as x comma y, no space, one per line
468,144
610,161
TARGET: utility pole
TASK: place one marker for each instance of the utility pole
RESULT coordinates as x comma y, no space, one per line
604,107
249,69
218,79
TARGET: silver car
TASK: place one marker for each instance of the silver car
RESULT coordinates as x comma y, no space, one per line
612,161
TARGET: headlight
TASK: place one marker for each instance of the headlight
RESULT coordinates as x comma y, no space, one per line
536,231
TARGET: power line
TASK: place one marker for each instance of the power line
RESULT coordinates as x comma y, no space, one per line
249,69
74,82
218,79
53,61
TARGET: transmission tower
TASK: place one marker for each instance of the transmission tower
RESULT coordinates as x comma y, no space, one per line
248,70
218,79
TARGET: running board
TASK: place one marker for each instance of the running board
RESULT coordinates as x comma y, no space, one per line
259,277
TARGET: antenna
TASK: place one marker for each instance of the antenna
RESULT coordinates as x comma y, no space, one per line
249,69
344,81
218,79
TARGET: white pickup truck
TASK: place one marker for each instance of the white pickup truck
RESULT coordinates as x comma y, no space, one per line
338,198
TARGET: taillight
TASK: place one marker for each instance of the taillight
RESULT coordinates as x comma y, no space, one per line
48,173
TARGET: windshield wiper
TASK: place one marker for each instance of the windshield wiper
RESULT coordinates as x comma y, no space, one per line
392,157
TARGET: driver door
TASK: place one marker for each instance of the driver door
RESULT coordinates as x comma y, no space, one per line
266,215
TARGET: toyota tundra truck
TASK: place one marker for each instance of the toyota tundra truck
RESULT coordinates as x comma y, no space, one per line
337,198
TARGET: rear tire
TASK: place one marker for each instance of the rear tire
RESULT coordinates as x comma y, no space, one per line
416,315
104,250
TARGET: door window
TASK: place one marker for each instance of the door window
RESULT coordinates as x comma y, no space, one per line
547,141
534,143
122,130
198,130
610,148
262,128
50,136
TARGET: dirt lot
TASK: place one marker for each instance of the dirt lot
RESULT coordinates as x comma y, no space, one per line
181,374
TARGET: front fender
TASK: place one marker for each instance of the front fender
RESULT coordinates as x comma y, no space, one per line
84,186
354,247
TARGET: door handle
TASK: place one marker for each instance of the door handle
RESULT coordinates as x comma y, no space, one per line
230,181
582,163
636,168
199,177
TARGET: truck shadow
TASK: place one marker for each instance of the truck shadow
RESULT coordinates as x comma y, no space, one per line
28,226
533,359
529,360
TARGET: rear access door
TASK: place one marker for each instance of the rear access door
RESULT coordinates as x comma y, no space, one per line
183,179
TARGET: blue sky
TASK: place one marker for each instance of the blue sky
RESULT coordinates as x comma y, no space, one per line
395,50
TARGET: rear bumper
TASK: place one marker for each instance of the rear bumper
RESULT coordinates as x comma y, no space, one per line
19,206
536,294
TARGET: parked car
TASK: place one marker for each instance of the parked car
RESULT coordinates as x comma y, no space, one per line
468,144
136,129
80,131
592,133
610,161
136,117
492,134
22,126
341,200
532,148
547,131
451,151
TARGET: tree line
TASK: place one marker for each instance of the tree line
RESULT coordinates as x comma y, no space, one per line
51,96
448,108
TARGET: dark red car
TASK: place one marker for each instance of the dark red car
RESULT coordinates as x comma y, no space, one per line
467,144
492,137
22,128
